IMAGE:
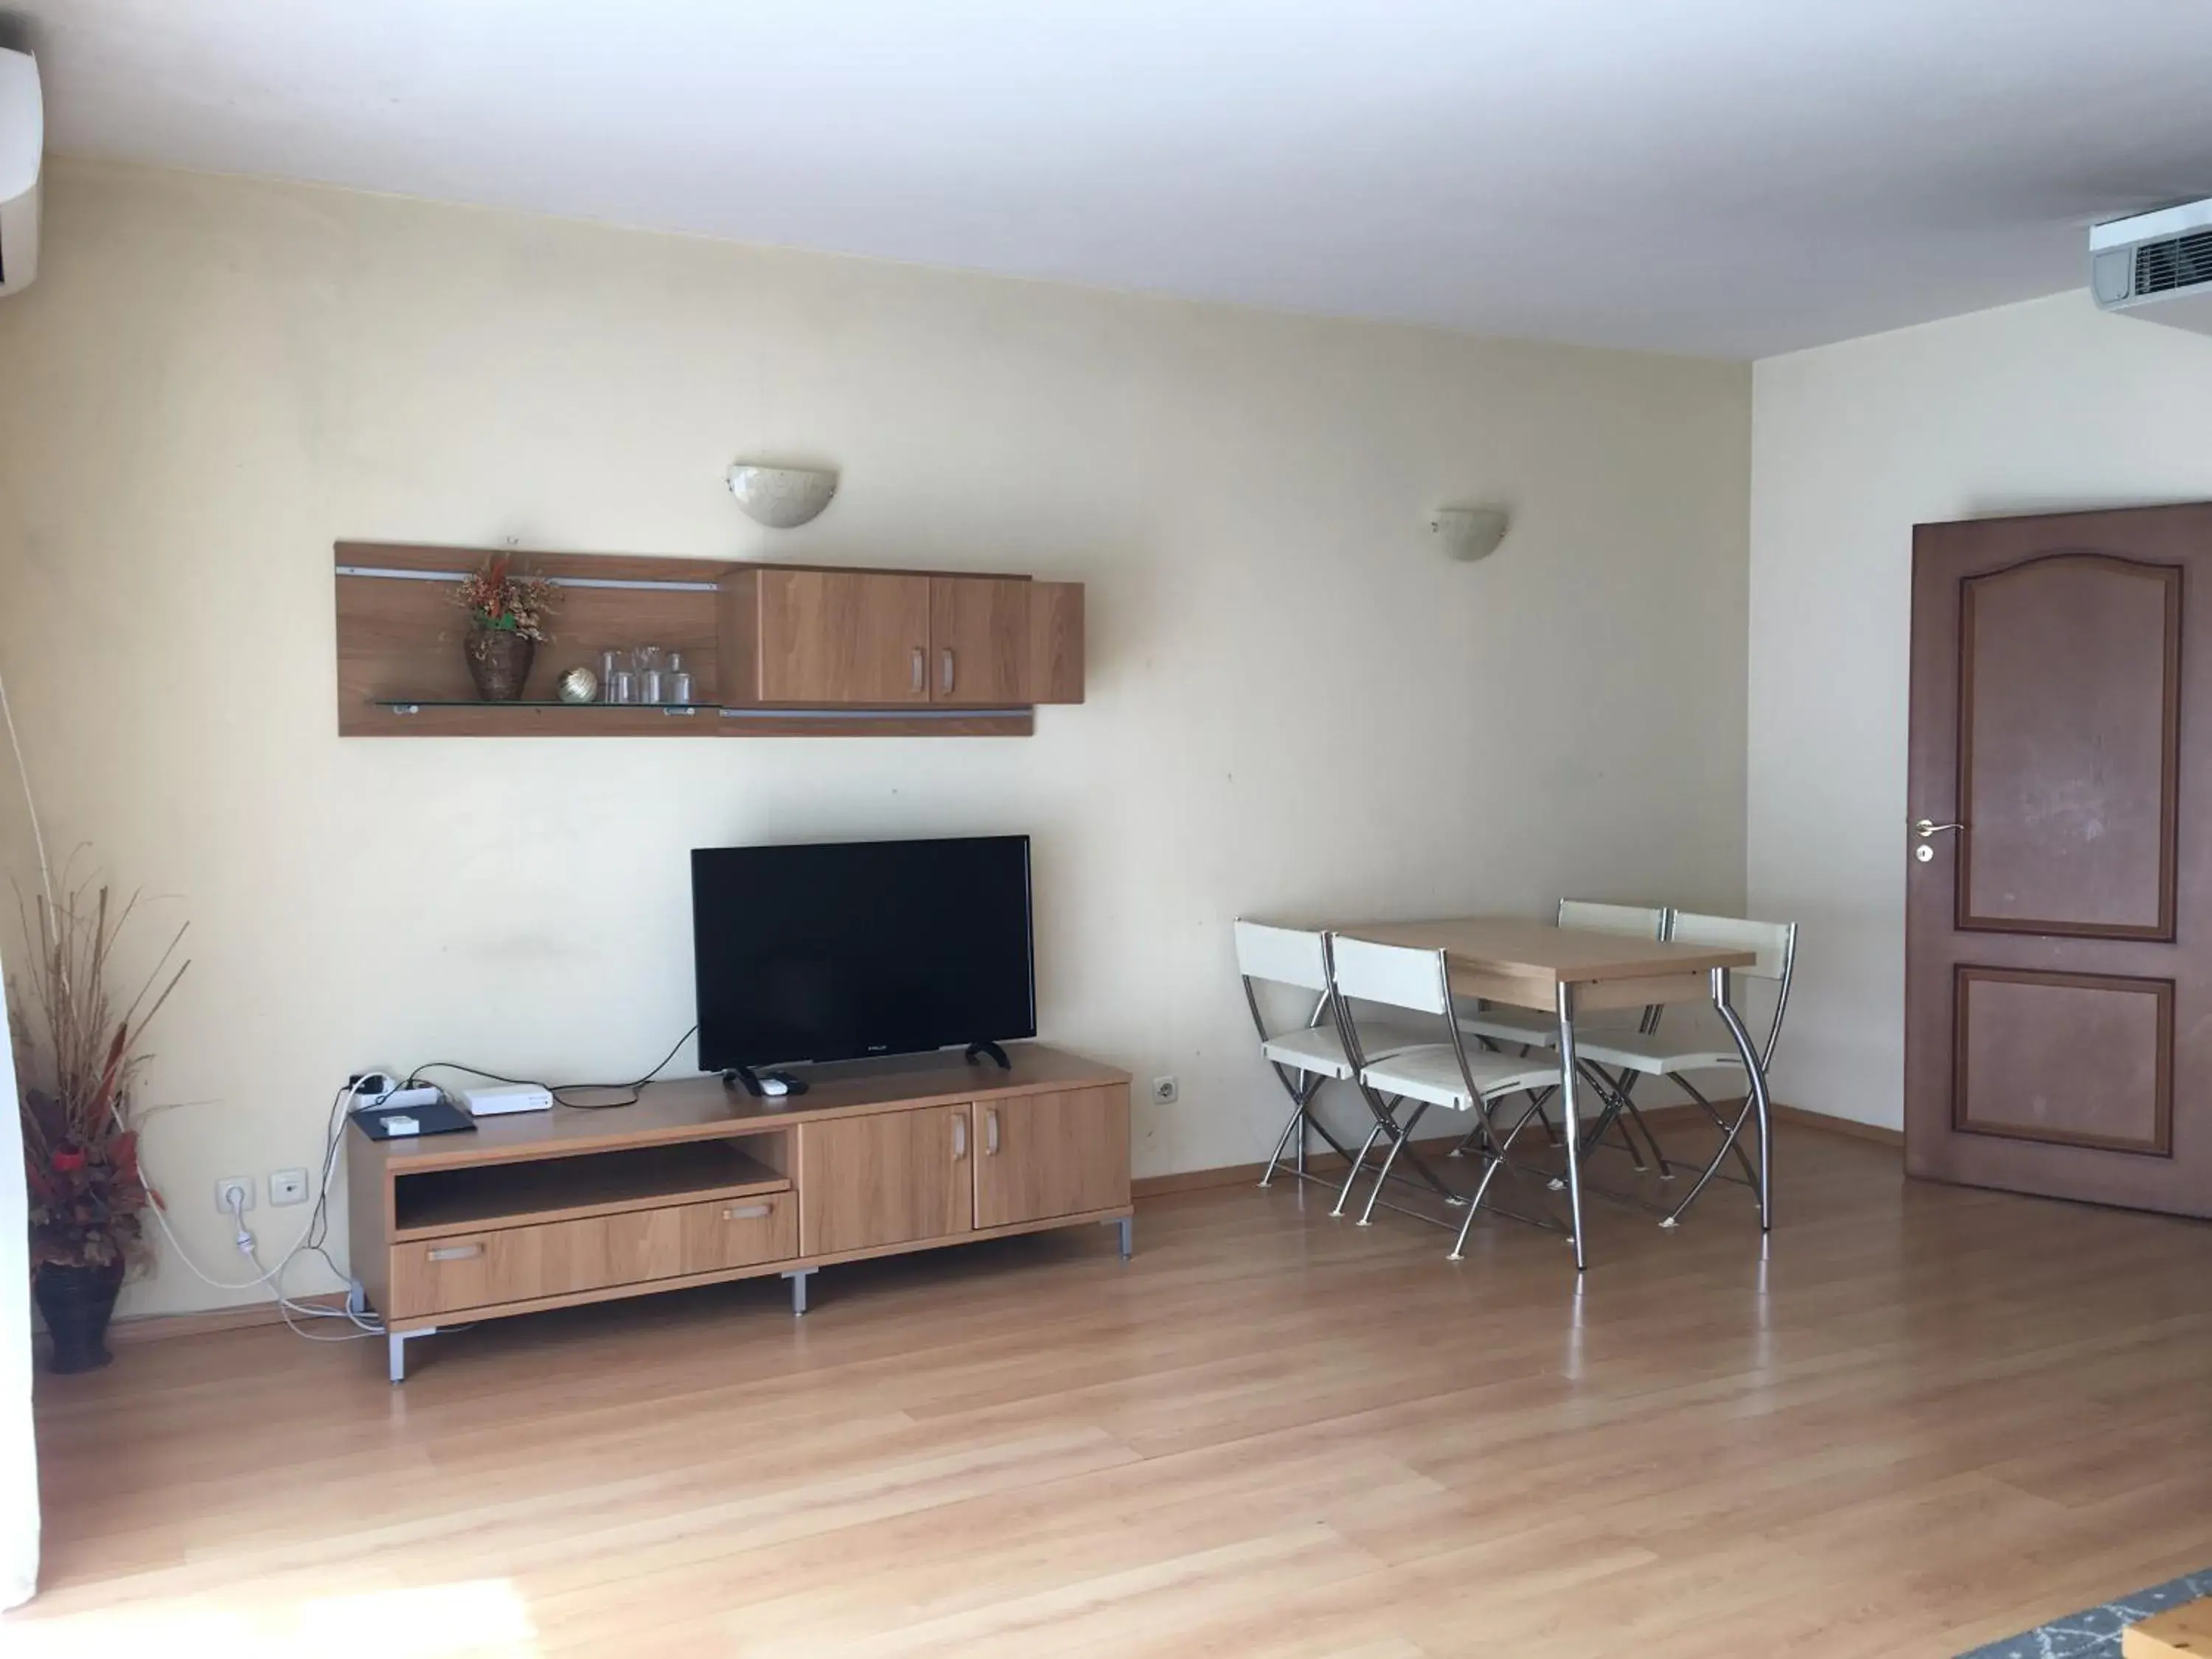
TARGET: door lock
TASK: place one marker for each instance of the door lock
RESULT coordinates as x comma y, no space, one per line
1925,829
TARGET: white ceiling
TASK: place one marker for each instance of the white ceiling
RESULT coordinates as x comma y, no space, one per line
1735,177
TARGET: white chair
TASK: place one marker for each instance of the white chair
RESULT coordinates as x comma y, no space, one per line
1531,1030
1304,1056
1436,1074
1688,1038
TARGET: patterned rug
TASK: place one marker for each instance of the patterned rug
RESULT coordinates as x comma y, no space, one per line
2096,1634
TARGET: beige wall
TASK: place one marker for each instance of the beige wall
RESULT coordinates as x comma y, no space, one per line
1295,705
2031,407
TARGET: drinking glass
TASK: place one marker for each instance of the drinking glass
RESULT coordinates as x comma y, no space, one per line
610,664
678,680
648,660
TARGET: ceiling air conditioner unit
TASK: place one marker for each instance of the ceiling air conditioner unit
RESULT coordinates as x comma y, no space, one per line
2157,266
22,140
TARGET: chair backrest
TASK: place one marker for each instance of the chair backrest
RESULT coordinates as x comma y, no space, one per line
1636,920
1397,976
1284,956
1776,942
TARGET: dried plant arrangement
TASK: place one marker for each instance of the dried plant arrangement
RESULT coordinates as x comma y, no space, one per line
498,598
79,1094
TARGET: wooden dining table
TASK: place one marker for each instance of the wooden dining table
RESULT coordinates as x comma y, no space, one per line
1565,971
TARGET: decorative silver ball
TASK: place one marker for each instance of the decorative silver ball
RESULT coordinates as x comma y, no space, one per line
580,686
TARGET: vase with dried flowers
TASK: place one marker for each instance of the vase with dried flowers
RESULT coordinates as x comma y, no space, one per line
507,619
80,1113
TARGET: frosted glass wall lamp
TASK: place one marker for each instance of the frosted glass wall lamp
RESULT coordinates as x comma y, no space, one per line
781,497
1468,533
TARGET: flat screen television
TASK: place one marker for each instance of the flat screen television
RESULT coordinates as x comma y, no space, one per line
834,950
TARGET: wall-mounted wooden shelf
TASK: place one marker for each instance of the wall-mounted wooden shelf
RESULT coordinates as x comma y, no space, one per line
773,650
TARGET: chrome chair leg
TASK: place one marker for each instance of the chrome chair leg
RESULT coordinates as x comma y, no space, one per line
1658,1152
1742,1158
1754,1104
1295,1126
1398,1143
1458,1251
1352,1174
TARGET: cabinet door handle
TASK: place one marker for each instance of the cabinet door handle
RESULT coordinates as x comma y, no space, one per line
918,671
455,1252
959,1136
745,1212
991,1132
944,671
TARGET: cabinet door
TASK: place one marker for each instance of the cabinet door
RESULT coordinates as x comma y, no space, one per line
892,1178
1041,1156
978,641
843,636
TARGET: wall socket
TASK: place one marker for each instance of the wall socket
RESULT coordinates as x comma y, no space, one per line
243,1186
288,1187
1165,1091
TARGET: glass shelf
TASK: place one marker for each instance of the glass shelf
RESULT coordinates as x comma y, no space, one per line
924,713
416,705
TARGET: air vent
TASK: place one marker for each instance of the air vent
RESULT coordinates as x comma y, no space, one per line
2179,262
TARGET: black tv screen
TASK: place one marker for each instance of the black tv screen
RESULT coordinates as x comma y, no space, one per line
834,950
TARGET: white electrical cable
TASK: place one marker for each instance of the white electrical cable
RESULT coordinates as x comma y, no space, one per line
333,1131
274,1276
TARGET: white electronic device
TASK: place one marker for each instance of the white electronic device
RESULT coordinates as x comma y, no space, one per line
22,143
497,1100
775,1087
2157,266
395,1125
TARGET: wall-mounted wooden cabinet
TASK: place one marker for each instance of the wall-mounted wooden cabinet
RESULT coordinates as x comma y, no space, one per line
775,650
819,638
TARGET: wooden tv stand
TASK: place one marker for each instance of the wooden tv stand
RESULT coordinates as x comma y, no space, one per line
699,1182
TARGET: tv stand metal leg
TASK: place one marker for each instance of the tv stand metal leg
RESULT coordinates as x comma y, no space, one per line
1126,1231
395,1351
799,1290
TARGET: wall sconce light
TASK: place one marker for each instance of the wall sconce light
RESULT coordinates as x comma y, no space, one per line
1468,533
781,497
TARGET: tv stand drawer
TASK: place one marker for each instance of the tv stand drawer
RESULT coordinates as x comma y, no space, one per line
558,1258
738,1233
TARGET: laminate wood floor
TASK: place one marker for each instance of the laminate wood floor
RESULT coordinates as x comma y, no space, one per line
1932,1417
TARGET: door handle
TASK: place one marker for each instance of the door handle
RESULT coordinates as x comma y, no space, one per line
745,1212
1927,827
944,672
918,671
991,1132
455,1252
960,1136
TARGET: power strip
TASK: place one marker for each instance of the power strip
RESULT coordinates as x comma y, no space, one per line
399,1099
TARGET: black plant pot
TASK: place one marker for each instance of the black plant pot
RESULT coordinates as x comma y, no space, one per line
77,1303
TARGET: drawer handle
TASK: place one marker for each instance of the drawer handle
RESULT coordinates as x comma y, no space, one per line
455,1252
746,1211
991,1132
960,1136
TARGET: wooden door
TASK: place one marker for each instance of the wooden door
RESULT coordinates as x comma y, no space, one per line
979,639
1039,1156
890,1178
843,637
2058,942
